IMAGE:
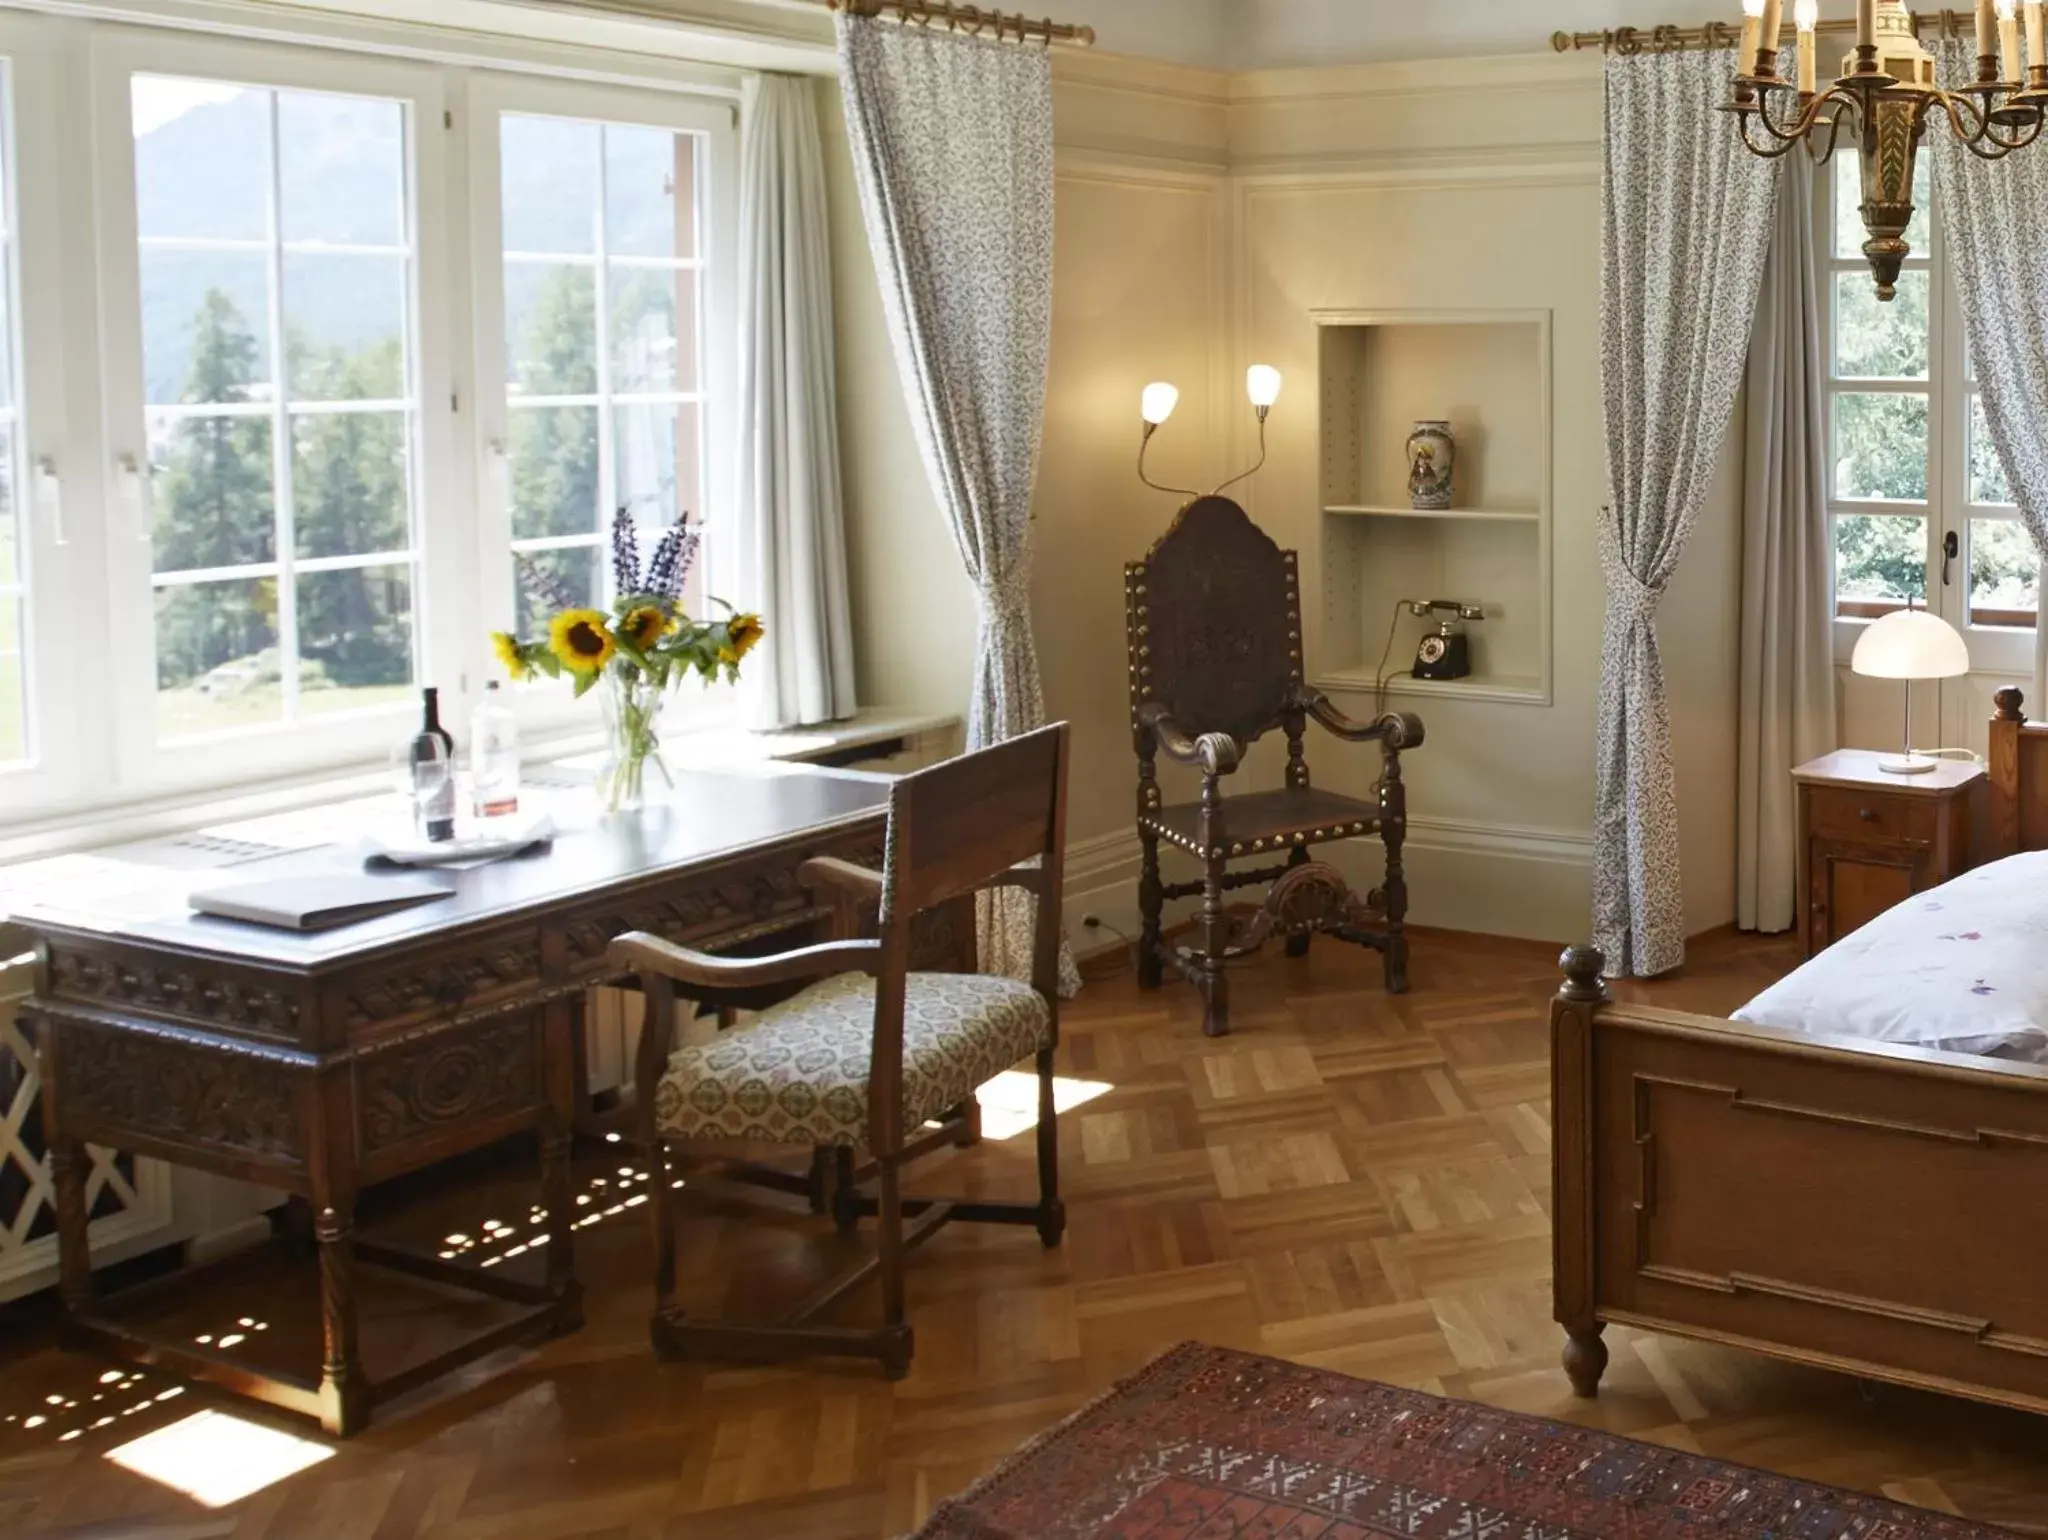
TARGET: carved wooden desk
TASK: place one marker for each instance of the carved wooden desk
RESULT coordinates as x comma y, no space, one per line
320,1065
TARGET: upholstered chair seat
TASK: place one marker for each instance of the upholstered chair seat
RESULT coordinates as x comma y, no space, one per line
798,1074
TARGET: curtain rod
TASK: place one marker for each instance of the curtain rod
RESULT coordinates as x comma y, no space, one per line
1721,34
973,20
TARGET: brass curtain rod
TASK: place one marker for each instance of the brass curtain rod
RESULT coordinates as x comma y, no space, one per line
1721,34
973,20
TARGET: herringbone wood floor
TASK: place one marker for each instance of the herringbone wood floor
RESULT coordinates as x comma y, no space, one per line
1352,1181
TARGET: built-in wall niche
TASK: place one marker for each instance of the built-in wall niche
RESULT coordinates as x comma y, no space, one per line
1486,373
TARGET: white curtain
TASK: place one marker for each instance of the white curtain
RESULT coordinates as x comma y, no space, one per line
1993,215
1687,221
792,548
1787,706
952,148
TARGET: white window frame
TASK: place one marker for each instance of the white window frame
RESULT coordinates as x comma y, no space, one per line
547,705
1950,388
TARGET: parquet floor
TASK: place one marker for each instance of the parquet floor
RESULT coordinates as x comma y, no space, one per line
1352,1181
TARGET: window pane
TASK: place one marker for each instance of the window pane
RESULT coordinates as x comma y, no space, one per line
550,329
1849,232
13,701
202,159
650,192
1881,448
577,569
549,183
656,454
554,472
2005,573
1879,341
355,639
341,169
344,319
1987,471
217,662
1880,557
212,488
654,329
349,493
205,325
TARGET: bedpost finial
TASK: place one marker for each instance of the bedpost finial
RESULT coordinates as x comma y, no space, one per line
1583,967
2009,703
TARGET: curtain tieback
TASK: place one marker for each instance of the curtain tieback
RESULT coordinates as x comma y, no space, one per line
1629,598
1008,597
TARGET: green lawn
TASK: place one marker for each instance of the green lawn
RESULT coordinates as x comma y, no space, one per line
189,713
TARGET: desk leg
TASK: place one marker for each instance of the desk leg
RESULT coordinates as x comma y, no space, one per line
565,1084
69,1163
344,1391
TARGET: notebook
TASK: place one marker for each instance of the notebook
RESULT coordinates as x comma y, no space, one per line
317,903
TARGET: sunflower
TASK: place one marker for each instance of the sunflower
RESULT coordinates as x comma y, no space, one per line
646,625
506,645
581,640
741,633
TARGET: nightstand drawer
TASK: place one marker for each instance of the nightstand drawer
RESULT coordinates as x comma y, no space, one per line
1852,814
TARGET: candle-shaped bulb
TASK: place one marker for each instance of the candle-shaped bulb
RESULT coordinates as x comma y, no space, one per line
2037,38
1752,24
1806,17
2008,39
1767,38
1987,31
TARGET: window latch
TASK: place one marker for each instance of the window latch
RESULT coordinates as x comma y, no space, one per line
50,498
1951,548
135,492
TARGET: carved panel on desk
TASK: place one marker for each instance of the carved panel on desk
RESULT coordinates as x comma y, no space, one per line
212,999
178,1091
395,991
445,1079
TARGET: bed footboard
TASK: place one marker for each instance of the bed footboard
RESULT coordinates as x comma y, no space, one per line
1864,1207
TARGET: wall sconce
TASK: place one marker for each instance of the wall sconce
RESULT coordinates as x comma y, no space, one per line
1261,387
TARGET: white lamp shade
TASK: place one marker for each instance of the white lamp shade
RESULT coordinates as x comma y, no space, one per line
1911,644
1158,402
1262,384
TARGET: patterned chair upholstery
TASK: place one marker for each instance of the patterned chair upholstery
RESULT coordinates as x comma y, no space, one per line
799,1073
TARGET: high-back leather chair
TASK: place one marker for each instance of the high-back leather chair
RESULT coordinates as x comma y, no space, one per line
1213,618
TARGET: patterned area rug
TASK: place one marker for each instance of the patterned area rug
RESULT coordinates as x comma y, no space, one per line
1207,1444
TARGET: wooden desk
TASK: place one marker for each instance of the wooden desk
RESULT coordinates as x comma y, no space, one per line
1869,840
323,1064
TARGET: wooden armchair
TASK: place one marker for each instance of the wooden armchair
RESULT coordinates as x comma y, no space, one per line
1213,618
866,1058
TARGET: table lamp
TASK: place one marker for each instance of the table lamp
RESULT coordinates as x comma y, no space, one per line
1910,644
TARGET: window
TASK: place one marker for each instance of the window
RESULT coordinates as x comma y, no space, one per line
306,369
600,228
276,280
1913,467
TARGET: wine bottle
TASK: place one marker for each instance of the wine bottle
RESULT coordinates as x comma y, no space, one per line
433,773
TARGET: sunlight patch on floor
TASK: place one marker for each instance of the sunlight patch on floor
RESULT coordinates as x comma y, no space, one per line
1009,1103
216,1458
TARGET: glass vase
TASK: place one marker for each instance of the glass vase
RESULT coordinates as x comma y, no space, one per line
632,707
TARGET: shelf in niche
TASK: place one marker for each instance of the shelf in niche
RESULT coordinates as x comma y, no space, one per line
1488,687
1445,515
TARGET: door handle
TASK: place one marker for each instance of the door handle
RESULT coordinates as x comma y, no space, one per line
1951,548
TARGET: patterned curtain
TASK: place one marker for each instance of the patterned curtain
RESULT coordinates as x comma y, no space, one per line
793,539
1993,214
1687,223
952,148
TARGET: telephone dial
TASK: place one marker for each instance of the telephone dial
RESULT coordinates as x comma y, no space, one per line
1446,652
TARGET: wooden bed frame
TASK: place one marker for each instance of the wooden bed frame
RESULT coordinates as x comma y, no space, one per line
1860,1206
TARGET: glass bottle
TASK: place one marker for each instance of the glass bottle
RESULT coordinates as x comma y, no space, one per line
433,772
494,756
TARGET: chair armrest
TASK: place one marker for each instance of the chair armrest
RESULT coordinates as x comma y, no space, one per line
1213,753
644,954
1397,729
831,872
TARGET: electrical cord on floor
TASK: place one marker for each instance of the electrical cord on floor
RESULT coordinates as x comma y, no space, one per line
1106,964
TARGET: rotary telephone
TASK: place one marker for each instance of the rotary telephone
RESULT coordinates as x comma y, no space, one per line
1446,652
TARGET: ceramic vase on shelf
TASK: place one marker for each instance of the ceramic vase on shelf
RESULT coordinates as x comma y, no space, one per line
1432,457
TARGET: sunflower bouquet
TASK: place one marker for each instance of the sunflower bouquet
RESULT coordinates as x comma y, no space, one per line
634,652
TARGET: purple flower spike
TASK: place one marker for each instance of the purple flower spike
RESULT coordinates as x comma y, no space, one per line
625,554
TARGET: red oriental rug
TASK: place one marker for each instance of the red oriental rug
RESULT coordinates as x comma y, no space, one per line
1207,1444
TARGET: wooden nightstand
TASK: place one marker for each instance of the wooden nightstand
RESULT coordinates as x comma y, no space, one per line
1868,840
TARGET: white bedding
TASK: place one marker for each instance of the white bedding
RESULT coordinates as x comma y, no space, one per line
1962,967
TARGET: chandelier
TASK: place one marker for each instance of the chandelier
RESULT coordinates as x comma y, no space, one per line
1884,99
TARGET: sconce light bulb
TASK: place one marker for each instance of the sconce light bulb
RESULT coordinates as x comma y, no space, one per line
1806,15
1158,402
1262,384
2008,10
1753,8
